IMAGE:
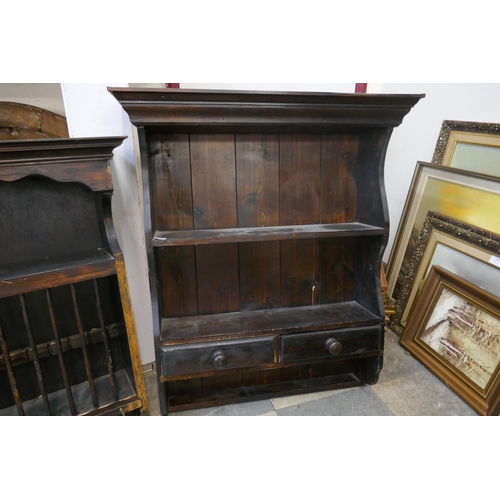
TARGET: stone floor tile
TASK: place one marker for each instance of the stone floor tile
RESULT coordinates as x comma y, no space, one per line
398,362
361,401
421,394
286,401
251,409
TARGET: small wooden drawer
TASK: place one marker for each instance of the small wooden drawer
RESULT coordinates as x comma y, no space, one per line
332,343
192,359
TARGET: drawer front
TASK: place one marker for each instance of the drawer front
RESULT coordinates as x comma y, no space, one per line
192,359
332,343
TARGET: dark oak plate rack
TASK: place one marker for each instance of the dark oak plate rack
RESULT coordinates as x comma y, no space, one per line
266,222
67,336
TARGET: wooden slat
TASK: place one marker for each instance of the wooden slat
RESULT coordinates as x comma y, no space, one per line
177,276
259,275
86,358
257,167
42,274
299,273
214,181
274,233
218,281
172,202
339,171
282,320
300,157
107,351
337,270
62,363
34,353
10,373
133,341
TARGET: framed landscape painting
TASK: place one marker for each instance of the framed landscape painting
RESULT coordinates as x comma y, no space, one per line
471,198
471,146
454,330
467,251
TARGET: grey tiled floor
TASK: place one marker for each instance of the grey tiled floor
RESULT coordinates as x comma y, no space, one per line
405,388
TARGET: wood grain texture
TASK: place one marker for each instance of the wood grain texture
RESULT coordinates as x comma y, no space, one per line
214,181
172,201
288,223
339,178
217,278
177,275
257,171
133,343
300,178
259,275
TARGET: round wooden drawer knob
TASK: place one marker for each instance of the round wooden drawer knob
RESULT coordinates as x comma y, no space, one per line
333,346
220,359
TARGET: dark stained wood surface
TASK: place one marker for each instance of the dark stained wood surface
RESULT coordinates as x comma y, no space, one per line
172,199
305,346
257,172
268,219
339,178
306,231
199,358
281,320
62,288
177,108
214,181
41,274
67,160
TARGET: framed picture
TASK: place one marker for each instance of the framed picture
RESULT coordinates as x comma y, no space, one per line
467,197
454,330
470,146
467,251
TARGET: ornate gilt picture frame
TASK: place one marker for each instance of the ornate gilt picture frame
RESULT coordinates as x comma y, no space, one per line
468,251
455,332
470,198
470,146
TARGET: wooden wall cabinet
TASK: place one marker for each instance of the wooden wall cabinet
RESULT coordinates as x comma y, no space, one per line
266,221
68,344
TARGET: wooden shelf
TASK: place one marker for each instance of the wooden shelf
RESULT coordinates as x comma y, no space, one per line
280,320
246,394
45,273
273,233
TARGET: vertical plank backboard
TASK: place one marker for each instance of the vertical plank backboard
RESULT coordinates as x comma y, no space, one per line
171,179
218,282
177,275
257,167
337,264
300,175
259,275
339,160
214,181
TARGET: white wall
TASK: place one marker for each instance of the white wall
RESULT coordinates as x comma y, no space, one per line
92,111
293,87
43,95
415,139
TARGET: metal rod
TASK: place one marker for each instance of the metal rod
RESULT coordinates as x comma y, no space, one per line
60,354
10,372
84,348
106,343
34,354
